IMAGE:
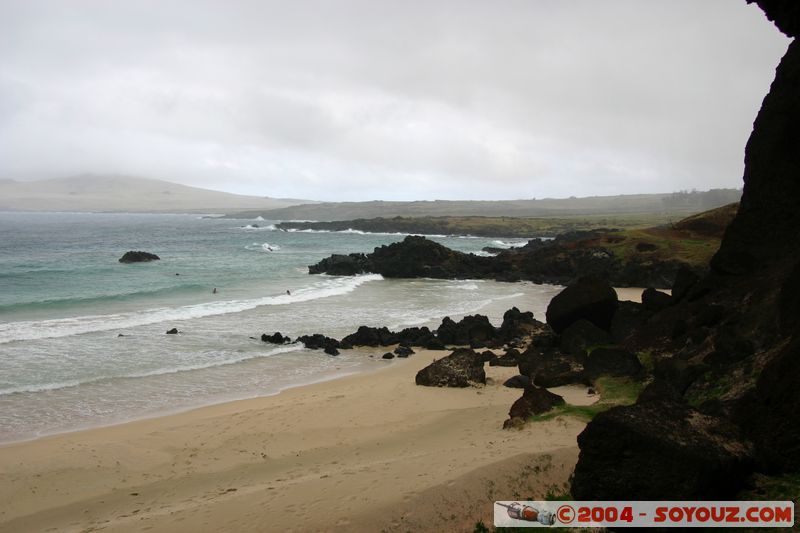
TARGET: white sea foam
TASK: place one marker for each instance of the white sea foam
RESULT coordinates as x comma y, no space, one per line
481,253
42,387
64,327
256,227
259,218
262,247
509,244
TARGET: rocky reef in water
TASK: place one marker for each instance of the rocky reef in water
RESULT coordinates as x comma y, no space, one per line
138,257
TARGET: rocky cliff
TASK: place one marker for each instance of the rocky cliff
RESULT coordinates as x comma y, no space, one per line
726,350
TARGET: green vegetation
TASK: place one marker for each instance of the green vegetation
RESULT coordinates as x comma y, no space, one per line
646,358
613,391
659,244
781,488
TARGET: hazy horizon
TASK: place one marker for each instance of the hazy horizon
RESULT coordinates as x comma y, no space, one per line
357,100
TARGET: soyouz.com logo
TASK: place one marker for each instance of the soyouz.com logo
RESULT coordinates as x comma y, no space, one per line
644,514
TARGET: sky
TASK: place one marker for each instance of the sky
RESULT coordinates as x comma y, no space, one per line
394,100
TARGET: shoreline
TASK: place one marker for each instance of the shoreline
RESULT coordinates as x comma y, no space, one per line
624,294
373,435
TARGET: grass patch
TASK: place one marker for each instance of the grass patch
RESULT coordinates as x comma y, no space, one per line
646,359
613,391
717,386
670,244
781,488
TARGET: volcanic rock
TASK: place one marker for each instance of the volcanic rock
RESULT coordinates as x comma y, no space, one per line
588,298
534,401
462,368
138,257
473,330
660,450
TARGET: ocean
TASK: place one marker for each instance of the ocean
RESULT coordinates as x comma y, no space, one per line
82,336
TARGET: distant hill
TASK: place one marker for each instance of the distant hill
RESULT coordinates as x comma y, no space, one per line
680,203
110,193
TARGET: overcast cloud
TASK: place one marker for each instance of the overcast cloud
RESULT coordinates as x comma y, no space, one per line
349,100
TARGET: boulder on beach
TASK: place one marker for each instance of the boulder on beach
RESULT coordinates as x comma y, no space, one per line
138,257
387,355
173,331
462,368
589,298
403,351
534,401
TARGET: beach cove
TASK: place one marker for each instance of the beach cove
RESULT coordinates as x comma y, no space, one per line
371,451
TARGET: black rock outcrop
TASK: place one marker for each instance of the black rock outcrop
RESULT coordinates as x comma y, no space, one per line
534,401
729,340
472,330
591,299
462,368
275,338
660,450
318,341
138,257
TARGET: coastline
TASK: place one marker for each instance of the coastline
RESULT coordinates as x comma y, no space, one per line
362,450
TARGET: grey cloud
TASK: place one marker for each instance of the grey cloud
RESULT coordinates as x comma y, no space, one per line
386,99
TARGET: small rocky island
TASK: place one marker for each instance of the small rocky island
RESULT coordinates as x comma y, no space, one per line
138,257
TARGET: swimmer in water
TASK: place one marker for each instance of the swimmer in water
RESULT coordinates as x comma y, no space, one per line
214,291
288,292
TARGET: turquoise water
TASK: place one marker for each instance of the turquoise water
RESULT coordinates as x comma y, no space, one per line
65,300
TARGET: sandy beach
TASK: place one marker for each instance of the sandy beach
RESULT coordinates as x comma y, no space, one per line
367,452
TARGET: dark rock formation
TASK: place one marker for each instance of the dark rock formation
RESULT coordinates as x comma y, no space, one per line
660,450
517,324
387,355
548,367
138,257
415,336
534,401
654,300
275,338
729,341
472,330
320,342
588,298
462,368
567,257
173,331
612,361
517,382
368,336
331,350
510,358
413,257
403,351
582,335
342,265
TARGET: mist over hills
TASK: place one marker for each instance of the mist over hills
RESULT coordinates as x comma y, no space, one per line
119,193
679,203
